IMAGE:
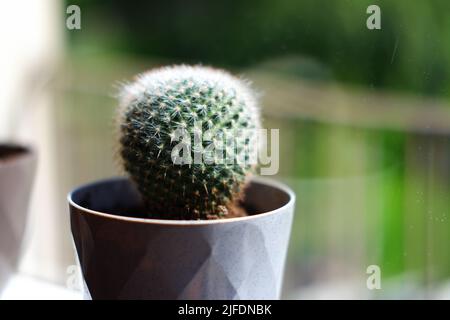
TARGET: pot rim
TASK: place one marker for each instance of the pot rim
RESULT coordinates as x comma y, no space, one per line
28,152
257,179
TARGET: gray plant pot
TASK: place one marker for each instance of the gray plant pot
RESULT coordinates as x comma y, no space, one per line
125,257
17,168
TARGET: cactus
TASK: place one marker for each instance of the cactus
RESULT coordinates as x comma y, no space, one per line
164,102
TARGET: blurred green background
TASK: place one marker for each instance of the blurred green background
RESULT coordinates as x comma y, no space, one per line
363,116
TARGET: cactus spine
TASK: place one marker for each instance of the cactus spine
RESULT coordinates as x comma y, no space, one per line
161,104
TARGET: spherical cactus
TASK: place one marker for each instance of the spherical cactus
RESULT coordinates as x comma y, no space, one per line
162,116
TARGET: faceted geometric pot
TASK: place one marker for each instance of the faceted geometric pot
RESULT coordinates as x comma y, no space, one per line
124,257
17,168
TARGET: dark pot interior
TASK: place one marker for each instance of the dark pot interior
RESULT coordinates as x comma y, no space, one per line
9,153
122,198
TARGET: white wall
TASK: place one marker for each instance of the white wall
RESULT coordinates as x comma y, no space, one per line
31,33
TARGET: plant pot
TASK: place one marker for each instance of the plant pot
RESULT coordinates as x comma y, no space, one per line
17,168
125,257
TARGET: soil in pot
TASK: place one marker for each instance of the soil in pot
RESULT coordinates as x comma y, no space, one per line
139,210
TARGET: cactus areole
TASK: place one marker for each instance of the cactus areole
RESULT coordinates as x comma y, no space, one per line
187,138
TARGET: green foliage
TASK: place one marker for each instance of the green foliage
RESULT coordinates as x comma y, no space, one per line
411,52
166,115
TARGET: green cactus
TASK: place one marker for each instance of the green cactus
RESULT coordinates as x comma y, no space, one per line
163,105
